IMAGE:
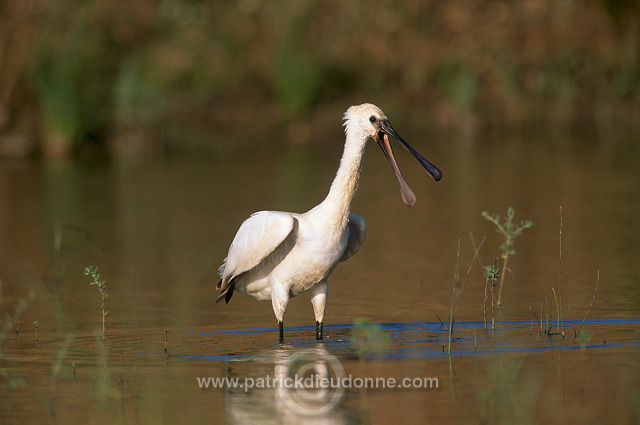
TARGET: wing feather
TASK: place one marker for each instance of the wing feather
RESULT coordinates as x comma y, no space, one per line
357,231
257,237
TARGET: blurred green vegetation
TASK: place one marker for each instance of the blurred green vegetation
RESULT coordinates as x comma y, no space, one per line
138,77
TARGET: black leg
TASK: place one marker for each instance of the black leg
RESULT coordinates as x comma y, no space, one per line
281,329
318,331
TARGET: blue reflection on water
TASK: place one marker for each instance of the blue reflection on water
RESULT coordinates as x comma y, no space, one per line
428,339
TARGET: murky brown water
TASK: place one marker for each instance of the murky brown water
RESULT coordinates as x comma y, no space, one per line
158,231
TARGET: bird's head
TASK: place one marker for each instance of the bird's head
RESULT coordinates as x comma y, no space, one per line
370,121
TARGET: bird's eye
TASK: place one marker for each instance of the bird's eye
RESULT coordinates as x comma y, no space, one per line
372,119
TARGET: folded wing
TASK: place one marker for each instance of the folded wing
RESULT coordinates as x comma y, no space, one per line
257,237
357,227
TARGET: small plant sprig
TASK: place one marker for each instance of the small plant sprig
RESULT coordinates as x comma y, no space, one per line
491,274
510,231
92,271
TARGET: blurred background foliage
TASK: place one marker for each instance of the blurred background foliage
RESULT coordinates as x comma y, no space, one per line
138,77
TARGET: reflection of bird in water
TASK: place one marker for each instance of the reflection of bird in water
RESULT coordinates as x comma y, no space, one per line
267,400
277,255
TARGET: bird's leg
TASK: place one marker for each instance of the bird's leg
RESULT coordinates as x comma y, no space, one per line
279,302
319,302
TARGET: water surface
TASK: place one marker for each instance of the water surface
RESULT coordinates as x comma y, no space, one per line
158,230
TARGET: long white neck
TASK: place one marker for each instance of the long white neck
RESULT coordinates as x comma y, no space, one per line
336,206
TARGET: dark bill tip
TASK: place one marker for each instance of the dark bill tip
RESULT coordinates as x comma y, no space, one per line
431,169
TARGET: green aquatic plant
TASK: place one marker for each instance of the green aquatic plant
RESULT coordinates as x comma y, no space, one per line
548,329
491,274
92,271
559,314
456,282
583,337
458,287
545,320
369,338
510,231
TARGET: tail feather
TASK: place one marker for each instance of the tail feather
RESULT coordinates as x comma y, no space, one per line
227,292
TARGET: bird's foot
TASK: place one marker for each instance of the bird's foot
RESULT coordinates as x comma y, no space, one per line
281,330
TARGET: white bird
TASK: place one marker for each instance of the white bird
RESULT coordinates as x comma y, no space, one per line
278,255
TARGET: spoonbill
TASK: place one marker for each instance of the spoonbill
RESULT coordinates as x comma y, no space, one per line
277,255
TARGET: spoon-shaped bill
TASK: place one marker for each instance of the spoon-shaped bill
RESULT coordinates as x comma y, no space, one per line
433,171
408,196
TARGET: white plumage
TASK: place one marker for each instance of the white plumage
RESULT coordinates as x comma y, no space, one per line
278,255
